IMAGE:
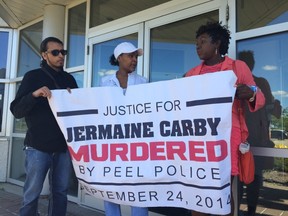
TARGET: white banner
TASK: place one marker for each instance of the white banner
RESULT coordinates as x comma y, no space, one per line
161,144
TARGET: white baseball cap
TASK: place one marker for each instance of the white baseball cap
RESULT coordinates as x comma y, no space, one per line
126,47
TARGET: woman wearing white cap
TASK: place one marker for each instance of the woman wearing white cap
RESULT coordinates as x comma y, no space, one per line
125,57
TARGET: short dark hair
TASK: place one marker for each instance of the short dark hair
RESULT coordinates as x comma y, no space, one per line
217,32
43,45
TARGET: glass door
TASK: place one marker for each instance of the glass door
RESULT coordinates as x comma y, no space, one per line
102,48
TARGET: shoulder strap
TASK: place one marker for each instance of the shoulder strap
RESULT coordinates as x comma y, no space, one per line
234,68
53,79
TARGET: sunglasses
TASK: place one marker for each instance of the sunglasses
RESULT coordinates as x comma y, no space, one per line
56,52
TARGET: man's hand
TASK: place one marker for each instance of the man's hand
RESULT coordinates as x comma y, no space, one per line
42,92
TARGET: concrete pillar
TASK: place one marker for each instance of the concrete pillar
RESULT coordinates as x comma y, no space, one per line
54,21
53,25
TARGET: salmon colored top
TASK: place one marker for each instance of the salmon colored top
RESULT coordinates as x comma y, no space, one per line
244,76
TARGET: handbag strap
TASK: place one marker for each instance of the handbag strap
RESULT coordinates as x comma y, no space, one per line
240,112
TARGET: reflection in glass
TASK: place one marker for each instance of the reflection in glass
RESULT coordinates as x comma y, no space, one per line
105,11
258,124
267,126
73,184
101,55
79,76
3,53
4,36
2,91
173,50
259,13
76,35
19,125
17,170
272,66
273,180
29,56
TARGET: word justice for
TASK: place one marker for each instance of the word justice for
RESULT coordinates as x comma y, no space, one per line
142,108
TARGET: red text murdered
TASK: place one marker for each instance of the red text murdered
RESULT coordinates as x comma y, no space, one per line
200,151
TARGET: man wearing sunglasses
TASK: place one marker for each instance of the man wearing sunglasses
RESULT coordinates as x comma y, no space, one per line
44,145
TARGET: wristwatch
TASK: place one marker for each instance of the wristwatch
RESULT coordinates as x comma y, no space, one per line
254,89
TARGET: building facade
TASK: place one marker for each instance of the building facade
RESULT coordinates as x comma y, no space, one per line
165,29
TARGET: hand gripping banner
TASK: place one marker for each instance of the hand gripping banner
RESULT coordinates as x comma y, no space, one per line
161,144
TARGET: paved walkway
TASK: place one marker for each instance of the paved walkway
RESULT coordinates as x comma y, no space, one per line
10,202
273,202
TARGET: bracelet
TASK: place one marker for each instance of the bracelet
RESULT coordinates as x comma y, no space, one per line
253,97
254,89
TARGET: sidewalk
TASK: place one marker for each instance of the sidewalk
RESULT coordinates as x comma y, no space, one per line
10,202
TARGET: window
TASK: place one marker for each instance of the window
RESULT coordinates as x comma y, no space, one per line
3,53
4,37
17,170
79,78
28,59
173,50
19,125
101,55
29,51
267,126
273,66
76,36
259,13
105,11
